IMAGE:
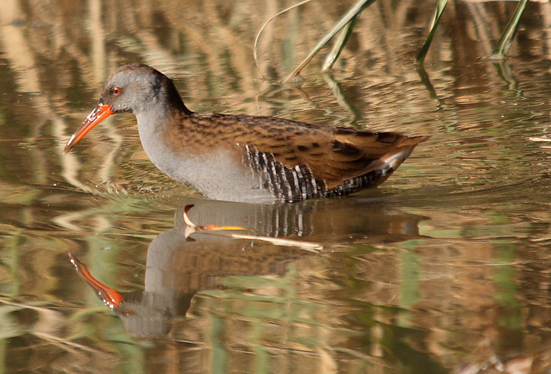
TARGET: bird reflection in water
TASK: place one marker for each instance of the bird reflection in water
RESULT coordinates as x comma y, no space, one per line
190,258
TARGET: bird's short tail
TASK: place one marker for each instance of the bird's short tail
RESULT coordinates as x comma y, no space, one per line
391,161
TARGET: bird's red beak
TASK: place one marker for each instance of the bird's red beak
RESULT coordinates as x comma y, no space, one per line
100,113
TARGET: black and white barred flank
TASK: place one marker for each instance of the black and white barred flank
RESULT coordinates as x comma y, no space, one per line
298,183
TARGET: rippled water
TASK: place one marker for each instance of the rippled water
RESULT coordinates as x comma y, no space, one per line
443,269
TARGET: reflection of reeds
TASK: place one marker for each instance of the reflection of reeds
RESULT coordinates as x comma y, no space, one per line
61,52
65,50
55,337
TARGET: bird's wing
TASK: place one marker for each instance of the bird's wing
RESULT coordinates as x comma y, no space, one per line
332,155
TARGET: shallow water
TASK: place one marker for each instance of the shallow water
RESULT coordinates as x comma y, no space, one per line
443,269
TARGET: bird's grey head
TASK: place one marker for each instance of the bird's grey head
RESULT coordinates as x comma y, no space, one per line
134,88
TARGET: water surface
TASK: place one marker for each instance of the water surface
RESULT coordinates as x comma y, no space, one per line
443,269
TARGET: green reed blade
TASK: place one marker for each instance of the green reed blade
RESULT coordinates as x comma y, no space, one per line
339,44
506,39
345,19
440,6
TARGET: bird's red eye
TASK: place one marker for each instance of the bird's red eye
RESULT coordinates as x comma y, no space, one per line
116,90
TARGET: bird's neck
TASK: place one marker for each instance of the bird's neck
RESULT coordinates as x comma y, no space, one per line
174,100
163,110
161,134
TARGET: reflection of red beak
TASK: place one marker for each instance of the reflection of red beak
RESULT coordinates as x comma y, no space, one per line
100,113
107,295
